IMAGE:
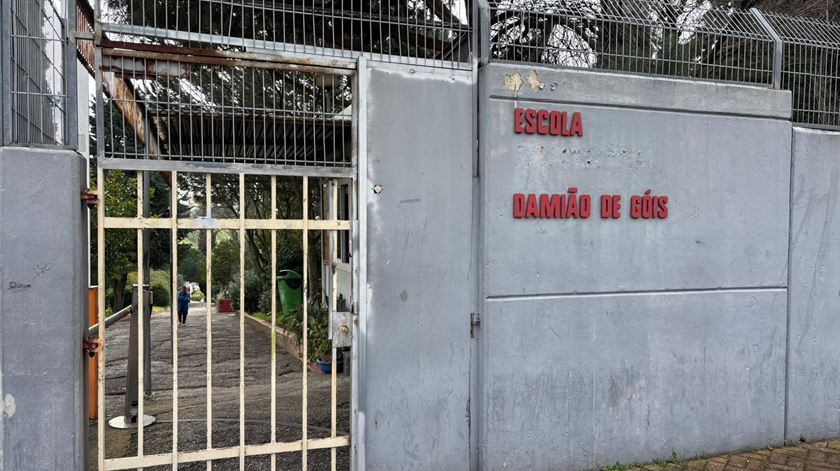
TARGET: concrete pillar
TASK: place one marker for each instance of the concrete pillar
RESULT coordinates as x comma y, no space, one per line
43,281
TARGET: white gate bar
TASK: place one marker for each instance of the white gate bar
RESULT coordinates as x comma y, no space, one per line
242,321
305,355
100,276
225,453
140,312
273,321
173,213
232,224
158,165
333,307
208,298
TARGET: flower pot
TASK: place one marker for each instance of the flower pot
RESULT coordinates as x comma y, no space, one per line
326,366
225,305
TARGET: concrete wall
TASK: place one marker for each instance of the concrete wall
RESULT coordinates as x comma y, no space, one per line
416,375
42,306
813,408
625,340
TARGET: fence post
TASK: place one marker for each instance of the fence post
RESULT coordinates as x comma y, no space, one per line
482,30
778,55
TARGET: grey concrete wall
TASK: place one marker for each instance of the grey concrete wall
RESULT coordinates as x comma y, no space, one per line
608,341
416,376
42,302
814,347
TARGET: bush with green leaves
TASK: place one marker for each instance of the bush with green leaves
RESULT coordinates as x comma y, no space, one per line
197,295
159,283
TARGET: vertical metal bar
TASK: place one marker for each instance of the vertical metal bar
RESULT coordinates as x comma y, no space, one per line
360,258
242,321
778,52
100,237
333,306
141,316
482,30
305,355
273,321
208,306
71,116
100,276
173,242
7,69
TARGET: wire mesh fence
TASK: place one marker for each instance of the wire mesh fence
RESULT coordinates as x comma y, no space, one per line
227,112
682,38
811,68
430,32
37,78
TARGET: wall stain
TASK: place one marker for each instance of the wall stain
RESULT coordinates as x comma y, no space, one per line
514,82
534,81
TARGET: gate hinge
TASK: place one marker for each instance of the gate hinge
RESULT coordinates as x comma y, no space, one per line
475,321
90,197
91,347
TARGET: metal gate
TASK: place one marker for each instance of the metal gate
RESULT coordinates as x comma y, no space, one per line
194,121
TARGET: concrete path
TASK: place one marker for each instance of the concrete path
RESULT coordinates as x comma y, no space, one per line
819,456
192,389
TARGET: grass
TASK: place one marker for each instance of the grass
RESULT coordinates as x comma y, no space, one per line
661,462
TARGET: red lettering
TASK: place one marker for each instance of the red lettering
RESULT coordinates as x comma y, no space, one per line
533,210
517,120
564,121
606,206
635,206
530,121
554,126
577,125
616,205
518,205
572,204
550,206
662,207
585,206
542,121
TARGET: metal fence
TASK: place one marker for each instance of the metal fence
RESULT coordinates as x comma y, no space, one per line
662,37
226,111
37,87
428,32
811,68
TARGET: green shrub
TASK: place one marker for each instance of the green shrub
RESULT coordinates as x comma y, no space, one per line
264,303
254,287
197,295
159,283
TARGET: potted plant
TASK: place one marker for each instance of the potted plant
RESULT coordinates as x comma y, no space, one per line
320,345
224,303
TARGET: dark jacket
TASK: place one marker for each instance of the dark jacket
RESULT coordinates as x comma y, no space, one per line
183,302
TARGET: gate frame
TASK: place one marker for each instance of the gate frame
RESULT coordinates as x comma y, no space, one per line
357,225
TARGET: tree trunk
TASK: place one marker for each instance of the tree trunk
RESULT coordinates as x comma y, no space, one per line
119,292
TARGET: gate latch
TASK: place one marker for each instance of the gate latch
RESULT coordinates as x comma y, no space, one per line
342,329
475,321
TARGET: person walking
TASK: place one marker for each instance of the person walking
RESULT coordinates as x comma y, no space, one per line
183,305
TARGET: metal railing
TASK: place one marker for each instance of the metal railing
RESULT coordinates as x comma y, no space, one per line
227,111
426,32
810,68
660,37
37,78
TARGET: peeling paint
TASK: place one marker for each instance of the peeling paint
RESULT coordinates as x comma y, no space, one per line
534,81
9,406
514,82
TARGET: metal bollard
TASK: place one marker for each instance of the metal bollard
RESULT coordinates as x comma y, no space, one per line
129,417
